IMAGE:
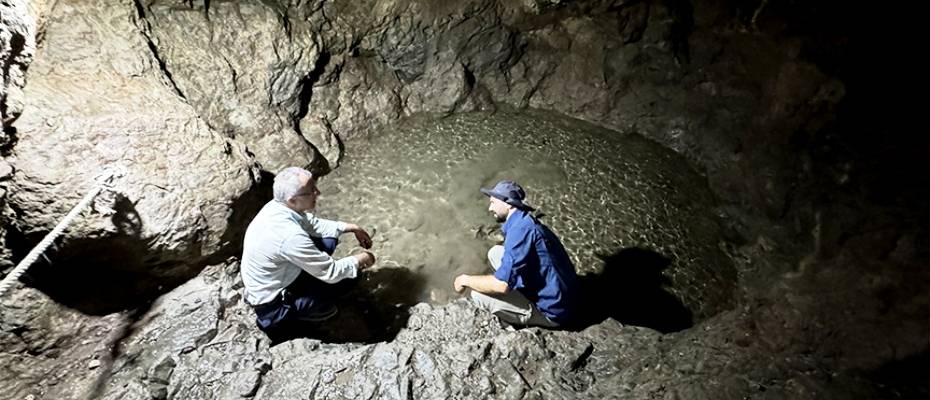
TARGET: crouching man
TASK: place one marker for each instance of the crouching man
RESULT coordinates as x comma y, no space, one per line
534,282
287,266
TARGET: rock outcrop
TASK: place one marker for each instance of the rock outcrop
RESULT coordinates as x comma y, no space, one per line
97,103
323,72
17,48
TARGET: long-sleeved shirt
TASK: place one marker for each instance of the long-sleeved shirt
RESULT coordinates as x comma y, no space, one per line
536,264
278,248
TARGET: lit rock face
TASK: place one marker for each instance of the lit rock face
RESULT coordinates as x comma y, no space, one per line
96,102
17,48
242,68
295,84
279,75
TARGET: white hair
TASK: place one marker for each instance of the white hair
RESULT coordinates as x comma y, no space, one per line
288,182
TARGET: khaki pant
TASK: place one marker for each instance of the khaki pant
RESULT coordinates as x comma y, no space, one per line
511,307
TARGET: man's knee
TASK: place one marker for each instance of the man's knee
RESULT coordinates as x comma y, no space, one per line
326,244
482,300
495,255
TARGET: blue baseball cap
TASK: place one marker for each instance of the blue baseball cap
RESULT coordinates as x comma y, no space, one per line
509,192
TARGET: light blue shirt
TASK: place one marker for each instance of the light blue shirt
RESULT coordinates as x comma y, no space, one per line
278,248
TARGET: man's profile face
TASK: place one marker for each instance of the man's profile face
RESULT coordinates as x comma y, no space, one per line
305,198
498,208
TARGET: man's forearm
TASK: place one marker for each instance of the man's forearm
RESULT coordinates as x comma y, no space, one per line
485,284
350,227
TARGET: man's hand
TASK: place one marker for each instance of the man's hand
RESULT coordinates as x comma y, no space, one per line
459,283
364,239
365,259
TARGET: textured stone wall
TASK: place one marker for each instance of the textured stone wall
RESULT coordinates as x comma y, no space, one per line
784,107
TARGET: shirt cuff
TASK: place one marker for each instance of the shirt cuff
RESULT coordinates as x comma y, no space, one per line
351,264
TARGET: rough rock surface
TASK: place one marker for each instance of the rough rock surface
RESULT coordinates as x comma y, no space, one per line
199,342
824,202
243,70
96,102
730,101
17,48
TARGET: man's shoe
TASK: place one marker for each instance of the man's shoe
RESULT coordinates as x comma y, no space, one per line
319,315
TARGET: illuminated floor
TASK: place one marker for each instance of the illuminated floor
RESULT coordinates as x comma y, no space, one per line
416,187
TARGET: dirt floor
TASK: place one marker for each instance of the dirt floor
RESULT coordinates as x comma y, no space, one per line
603,192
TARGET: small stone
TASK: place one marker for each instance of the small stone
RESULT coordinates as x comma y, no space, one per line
6,170
93,364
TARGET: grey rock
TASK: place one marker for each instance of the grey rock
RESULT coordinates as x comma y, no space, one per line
6,170
242,68
69,343
96,102
362,97
17,49
188,341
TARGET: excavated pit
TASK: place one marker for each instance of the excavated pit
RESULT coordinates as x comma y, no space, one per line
637,221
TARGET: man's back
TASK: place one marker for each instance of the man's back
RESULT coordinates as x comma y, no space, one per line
542,270
264,270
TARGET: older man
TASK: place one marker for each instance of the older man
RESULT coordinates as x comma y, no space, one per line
534,282
287,264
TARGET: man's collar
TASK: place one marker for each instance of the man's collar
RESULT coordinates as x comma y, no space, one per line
516,214
291,211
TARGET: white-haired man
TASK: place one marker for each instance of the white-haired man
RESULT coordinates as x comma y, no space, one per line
287,264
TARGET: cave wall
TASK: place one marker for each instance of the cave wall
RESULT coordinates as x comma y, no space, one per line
775,103
703,80
696,78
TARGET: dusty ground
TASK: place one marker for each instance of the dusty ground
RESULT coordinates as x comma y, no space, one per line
603,192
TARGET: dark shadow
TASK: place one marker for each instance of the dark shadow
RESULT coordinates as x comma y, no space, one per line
244,208
99,276
373,309
631,290
122,331
8,140
117,272
903,379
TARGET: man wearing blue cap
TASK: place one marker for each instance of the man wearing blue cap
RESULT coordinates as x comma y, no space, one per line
534,282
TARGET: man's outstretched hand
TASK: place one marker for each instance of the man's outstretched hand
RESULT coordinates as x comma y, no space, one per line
365,259
459,283
364,239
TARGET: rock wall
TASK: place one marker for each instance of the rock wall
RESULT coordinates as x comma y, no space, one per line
96,102
278,83
771,101
688,77
17,48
